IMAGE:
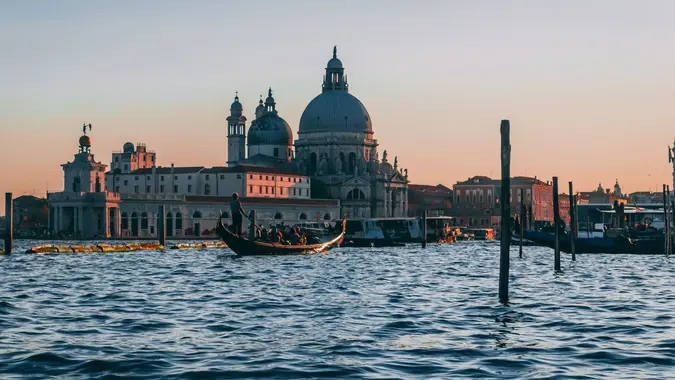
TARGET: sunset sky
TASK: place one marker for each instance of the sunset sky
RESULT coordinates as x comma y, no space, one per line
589,86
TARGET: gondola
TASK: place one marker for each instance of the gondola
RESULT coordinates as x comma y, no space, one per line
615,245
246,247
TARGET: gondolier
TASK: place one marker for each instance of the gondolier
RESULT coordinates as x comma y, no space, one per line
237,213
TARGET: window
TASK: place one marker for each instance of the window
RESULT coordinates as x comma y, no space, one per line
266,190
276,152
161,178
189,188
135,178
281,179
147,189
207,177
175,190
161,188
190,177
260,189
175,178
125,221
250,189
117,189
250,176
144,221
179,221
294,191
480,197
238,176
260,177
147,177
468,196
303,216
222,176
136,189
207,189
267,178
278,215
353,194
117,158
126,167
126,182
281,191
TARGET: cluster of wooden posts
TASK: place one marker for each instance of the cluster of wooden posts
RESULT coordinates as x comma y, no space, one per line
668,212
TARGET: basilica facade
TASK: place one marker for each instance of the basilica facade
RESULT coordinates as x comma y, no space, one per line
335,147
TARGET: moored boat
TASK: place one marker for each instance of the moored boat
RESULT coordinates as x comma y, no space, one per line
616,245
246,247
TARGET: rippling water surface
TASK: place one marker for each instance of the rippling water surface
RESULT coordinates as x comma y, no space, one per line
352,313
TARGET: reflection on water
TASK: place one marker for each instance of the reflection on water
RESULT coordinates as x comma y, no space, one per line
352,313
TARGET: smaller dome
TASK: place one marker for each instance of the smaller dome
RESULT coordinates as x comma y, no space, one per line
85,141
270,129
236,106
128,148
334,63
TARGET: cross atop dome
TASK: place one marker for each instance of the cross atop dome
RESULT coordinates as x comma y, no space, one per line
335,51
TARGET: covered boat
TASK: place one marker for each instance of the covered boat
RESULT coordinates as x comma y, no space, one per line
246,247
618,244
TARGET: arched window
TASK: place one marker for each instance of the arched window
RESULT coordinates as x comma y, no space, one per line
197,214
343,162
125,221
144,221
179,221
169,224
303,216
207,189
356,194
197,225
278,216
312,163
327,216
225,215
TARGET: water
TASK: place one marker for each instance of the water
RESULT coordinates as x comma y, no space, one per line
353,313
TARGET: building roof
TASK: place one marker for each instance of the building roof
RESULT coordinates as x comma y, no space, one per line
215,169
515,181
439,190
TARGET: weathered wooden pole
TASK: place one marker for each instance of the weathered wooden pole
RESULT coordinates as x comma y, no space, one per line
161,226
9,225
522,223
576,216
666,231
556,221
252,227
573,223
424,229
504,258
588,226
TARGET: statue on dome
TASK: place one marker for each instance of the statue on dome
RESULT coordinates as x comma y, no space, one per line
396,163
406,173
384,156
323,165
338,166
84,128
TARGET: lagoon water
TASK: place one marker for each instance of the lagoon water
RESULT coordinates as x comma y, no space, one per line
351,313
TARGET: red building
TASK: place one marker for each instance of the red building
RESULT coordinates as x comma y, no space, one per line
437,200
476,200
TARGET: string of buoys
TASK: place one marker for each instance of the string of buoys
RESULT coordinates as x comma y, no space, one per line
128,247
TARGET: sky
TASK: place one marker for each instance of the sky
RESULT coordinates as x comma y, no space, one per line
587,85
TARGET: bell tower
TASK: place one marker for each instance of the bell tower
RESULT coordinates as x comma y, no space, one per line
236,133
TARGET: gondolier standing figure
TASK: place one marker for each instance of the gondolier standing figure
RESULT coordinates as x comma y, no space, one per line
237,213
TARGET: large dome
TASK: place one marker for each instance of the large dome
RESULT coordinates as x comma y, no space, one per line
335,111
270,129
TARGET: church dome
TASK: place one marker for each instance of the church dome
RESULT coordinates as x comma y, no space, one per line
386,168
270,129
236,106
333,111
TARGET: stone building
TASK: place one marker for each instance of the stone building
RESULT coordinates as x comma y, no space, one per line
335,147
477,200
435,200
124,202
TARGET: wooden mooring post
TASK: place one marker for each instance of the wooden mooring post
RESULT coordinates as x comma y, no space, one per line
9,225
573,223
505,130
522,223
671,209
424,229
161,226
666,222
556,224
252,227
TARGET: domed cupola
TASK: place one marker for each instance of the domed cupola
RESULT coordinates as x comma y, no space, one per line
236,108
260,109
269,128
335,109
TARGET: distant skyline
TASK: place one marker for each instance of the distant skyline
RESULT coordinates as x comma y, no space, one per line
587,85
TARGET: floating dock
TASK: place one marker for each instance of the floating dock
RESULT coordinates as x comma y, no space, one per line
129,247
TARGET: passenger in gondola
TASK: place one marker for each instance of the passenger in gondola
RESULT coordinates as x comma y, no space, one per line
237,214
264,234
294,237
275,235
